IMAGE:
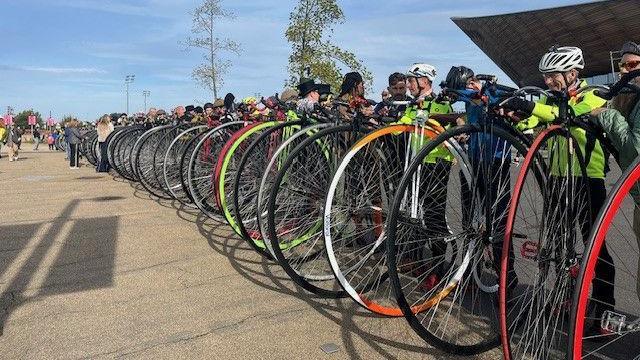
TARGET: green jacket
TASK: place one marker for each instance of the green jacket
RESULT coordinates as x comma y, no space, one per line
543,113
417,142
623,133
625,137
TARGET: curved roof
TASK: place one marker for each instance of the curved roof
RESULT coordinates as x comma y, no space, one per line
515,42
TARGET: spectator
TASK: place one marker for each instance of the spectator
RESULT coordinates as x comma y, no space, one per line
51,140
397,90
73,140
67,135
4,133
20,132
36,138
104,128
12,143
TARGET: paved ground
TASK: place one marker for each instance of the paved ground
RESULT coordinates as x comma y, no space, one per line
91,267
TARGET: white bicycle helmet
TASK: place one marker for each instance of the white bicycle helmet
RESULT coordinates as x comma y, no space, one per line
422,70
561,59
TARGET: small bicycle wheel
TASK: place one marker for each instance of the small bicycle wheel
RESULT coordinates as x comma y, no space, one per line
443,233
548,223
294,218
202,167
609,278
356,208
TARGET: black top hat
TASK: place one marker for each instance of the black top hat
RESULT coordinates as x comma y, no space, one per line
199,110
208,106
307,87
189,108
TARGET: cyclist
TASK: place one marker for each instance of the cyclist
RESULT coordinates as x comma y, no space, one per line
397,90
621,123
309,95
560,68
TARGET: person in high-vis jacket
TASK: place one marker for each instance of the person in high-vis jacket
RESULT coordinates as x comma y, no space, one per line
560,68
436,168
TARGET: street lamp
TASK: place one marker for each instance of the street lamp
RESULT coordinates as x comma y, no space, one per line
145,93
128,80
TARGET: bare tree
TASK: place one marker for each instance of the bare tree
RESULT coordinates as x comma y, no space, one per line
210,73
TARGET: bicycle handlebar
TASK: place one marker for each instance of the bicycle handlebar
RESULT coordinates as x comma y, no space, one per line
621,85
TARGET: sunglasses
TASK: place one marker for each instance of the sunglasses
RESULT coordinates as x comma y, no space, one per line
629,65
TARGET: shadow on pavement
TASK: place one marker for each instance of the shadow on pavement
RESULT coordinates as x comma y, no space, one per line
84,262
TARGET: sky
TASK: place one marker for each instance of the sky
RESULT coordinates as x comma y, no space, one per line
70,57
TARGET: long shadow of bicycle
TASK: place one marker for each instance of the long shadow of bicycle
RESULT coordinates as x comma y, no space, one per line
84,261
355,322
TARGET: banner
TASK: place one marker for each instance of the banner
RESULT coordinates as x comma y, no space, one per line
8,120
32,120
51,122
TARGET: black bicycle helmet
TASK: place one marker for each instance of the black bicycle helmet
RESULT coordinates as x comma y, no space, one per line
457,78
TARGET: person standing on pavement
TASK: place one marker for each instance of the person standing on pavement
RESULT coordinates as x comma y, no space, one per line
36,138
51,140
104,128
67,134
20,132
12,143
73,141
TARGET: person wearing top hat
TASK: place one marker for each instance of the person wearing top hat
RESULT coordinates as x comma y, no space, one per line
309,93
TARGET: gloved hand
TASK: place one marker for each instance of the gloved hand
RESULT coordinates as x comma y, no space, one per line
527,124
520,105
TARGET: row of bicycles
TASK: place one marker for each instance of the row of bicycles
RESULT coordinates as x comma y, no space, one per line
436,221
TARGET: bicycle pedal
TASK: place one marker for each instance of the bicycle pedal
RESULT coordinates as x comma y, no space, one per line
613,322
529,250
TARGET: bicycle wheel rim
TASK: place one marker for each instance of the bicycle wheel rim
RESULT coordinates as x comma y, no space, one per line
246,184
442,302
613,242
355,224
534,317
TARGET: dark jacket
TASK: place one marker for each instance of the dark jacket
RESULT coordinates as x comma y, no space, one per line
74,136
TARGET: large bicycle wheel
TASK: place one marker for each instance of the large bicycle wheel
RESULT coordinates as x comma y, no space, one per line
202,167
184,192
247,179
610,260
295,208
357,206
228,163
443,233
126,152
171,166
158,159
144,159
548,223
266,183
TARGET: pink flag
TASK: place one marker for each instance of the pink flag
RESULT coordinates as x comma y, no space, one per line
32,120
8,119
51,122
